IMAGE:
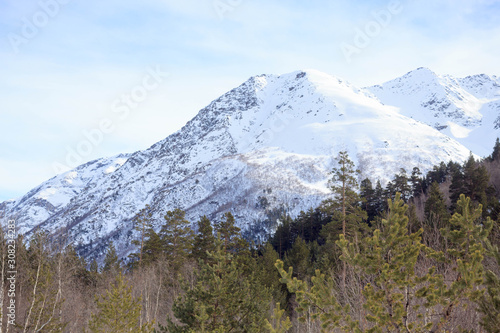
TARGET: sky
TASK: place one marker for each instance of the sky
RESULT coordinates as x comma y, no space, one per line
84,79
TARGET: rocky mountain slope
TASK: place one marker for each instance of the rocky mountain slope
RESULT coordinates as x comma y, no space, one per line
466,109
263,148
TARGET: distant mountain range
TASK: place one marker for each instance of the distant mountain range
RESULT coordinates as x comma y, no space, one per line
266,147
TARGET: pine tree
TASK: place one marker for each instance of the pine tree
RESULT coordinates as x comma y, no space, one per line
118,311
396,298
224,299
284,236
435,207
367,194
466,236
142,223
204,241
495,155
177,237
401,185
389,257
153,247
111,262
230,234
380,198
417,186
345,206
299,258
489,304
268,276
278,324
346,203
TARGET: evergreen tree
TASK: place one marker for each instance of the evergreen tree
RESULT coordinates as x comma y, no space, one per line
473,182
142,223
299,258
435,207
278,324
268,275
495,155
367,194
177,237
118,311
466,234
401,185
346,205
396,298
284,236
153,247
417,186
380,198
224,299
111,262
230,234
489,304
204,241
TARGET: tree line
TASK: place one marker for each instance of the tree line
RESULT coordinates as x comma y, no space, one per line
417,255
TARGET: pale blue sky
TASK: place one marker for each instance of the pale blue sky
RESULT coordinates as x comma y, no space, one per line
67,76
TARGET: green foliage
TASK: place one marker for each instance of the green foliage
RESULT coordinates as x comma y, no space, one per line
394,292
278,325
436,213
153,247
118,311
401,185
223,299
299,258
495,155
466,236
389,258
345,206
204,241
489,304
367,194
472,180
319,301
177,237
268,275
142,224
111,262
230,234
417,182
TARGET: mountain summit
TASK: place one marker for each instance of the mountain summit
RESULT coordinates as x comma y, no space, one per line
267,147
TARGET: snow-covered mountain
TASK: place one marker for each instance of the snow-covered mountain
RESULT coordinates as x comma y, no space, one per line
465,109
264,147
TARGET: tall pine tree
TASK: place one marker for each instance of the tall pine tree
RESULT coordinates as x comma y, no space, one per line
118,311
177,237
223,299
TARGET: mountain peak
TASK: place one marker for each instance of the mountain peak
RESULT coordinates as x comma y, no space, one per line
272,137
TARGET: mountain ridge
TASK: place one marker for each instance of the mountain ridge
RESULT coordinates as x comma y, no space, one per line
272,137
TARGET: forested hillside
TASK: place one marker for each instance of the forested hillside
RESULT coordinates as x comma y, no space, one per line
419,254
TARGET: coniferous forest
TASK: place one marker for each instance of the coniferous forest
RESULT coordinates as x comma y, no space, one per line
419,254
